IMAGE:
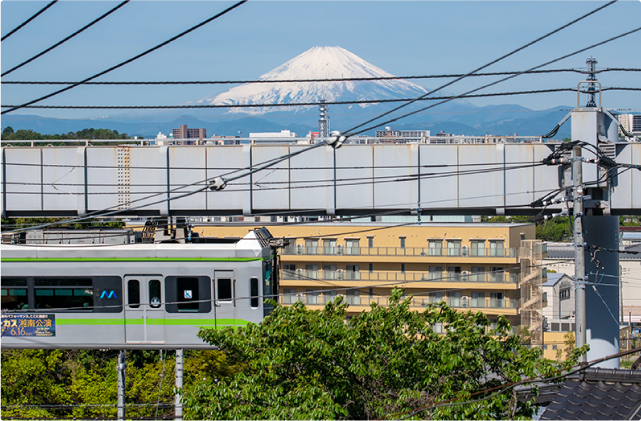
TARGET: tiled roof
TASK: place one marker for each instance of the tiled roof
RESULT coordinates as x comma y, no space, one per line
597,394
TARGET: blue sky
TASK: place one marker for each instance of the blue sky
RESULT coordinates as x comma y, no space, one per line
403,38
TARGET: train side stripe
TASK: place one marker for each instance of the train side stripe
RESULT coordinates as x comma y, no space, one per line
134,259
167,322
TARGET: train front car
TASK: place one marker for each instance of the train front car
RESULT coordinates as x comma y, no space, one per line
133,296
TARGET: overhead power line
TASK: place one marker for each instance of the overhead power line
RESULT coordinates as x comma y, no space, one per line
306,104
346,79
349,132
28,20
90,24
136,57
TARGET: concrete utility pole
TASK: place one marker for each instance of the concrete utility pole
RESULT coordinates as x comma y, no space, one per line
179,384
595,230
121,385
579,251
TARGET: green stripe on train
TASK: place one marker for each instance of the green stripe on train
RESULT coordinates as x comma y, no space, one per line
136,259
166,322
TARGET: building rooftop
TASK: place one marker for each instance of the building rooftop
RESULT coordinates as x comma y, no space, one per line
597,394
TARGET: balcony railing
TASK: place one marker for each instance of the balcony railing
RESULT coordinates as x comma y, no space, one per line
326,275
416,302
400,251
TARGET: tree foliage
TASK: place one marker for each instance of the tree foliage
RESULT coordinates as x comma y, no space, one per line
304,364
82,384
10,134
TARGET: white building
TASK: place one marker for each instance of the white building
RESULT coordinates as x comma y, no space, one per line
284,134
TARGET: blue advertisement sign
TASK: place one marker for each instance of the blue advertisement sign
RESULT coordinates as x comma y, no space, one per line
24,324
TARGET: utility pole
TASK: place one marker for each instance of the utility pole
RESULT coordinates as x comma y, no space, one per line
579,251
179,384
121,385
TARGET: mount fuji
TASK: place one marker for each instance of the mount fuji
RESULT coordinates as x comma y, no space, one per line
317,63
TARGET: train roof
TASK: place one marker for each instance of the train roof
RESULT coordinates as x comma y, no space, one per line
254,244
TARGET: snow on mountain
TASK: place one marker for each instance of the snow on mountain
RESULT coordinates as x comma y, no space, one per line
317,63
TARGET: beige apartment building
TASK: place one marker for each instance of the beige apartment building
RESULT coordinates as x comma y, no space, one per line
470,266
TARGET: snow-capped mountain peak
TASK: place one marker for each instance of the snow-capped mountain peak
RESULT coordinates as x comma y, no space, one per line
318,63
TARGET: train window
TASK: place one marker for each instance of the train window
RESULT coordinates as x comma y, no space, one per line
133,292
187,294
14,294
64,294
154,293
224,289
14,282
253,287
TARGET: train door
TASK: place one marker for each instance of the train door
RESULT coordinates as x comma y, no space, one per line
144,309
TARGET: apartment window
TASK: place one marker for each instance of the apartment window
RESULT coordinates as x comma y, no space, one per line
370,242
478,299
453,273
371,267
435,297
497,274
477,274
436,273
477,248
311,271
329,246
497,248
289,270
353,297
311,246
352,246
454,248
329,271
402,242
291,247
352,272
289,296
454,299
311,296
564,294
402,267
435,247
497,300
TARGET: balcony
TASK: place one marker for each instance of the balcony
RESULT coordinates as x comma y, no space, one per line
400,251
338,275
416,302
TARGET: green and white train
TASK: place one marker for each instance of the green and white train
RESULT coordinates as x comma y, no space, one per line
134,296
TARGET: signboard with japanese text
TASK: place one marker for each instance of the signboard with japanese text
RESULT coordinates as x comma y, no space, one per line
24,324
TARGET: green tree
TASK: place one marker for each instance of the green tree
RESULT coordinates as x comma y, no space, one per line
304,364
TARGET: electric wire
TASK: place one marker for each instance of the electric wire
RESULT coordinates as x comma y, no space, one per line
346,79
90,24
13,31
289,104
136,57
350,132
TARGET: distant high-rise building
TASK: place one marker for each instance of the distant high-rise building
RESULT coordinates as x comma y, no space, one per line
323,120
631,123
184,133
